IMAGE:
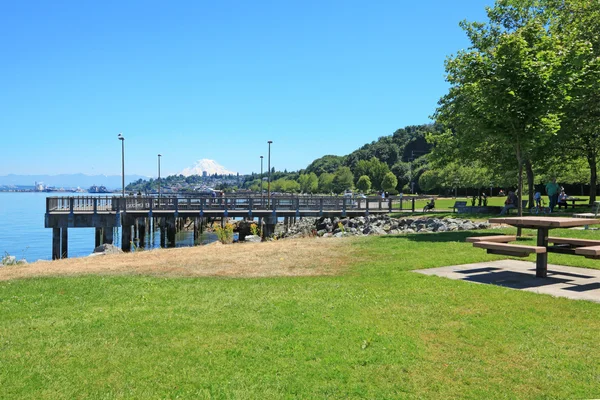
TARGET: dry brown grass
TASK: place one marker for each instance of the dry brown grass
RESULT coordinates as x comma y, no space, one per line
302,257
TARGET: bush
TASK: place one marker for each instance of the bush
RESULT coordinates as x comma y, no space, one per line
224,234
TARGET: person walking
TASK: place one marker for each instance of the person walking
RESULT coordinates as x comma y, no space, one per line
552,190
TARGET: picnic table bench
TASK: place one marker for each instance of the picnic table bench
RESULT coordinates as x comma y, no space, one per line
573,200
458,204
584,247
580,247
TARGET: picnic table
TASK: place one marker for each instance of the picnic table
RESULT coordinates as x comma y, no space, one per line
499,244
573,200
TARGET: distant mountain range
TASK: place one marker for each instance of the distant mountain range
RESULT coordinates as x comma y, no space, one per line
205,165
68,180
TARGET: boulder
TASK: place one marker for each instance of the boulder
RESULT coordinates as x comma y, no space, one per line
107,248
253,239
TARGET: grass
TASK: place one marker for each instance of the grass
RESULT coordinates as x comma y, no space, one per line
377,330
443,207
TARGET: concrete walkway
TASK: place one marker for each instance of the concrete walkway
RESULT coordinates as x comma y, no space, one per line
571,282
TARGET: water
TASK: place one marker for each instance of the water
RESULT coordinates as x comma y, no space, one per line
22,232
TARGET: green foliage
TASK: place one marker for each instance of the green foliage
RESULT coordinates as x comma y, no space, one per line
364,184
285,185
343,180
309,183
224,234
374,169
254,230
389,182
326,182
325,164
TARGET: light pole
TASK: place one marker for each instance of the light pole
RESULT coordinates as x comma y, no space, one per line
122,139
261,179
269,179
159,156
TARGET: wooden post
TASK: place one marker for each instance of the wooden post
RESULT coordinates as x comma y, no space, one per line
64,243
55,243
171,232
97,237
125,233
163,232
107,235
541,260
142,233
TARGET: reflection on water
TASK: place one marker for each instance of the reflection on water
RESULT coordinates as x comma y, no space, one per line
23,235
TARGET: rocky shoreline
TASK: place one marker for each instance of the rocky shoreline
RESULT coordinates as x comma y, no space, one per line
374,225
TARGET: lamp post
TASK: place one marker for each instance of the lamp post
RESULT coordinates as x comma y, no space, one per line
159,156
122,139
261,180
269,179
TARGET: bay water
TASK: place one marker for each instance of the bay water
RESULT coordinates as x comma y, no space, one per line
22,232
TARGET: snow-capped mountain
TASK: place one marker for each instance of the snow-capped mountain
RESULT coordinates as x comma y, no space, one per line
210,166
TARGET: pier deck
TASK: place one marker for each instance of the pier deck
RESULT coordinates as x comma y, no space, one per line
136,214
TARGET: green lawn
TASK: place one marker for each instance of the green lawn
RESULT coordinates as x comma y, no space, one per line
378,331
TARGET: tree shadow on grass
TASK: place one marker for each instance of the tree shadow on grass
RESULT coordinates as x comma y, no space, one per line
454,236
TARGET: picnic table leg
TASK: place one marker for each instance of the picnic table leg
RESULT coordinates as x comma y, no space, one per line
541,260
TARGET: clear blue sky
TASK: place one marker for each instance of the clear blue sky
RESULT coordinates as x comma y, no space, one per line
215,79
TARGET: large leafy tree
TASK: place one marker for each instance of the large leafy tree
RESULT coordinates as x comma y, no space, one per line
309,183
504,92
343,179
577,24
374,169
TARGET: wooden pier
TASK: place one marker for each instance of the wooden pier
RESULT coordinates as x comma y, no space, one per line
137,215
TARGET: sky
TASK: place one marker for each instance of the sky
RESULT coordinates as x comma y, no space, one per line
215,79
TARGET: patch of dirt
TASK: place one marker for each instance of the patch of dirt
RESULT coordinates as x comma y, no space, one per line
300,257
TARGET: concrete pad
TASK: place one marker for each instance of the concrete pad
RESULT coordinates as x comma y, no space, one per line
562,281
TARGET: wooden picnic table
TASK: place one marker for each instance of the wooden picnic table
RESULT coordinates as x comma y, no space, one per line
573,200
543,225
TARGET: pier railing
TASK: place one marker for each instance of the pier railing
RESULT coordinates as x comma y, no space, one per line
249,202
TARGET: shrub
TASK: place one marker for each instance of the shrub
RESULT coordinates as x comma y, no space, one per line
224,234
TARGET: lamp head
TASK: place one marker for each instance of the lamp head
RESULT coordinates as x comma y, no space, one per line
262,157
270,141
121,137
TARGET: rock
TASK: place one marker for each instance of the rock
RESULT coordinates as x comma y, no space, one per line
253,239
107,249
9,260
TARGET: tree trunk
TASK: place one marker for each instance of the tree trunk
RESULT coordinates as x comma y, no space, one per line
520,196
592,162
530,184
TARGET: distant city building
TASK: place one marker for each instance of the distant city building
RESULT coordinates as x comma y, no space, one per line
204,174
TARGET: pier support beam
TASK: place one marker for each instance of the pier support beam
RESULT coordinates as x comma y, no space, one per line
269,227
64,243
55,243
97,237
126,223
171,232
163,232
107,235
142,233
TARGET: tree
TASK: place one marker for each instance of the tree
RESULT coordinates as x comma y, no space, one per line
364,184
389,182
429,180
577,24
504,92
324,164
343,180
309,183
374,169
326,182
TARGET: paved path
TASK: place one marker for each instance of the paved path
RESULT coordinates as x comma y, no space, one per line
571,282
